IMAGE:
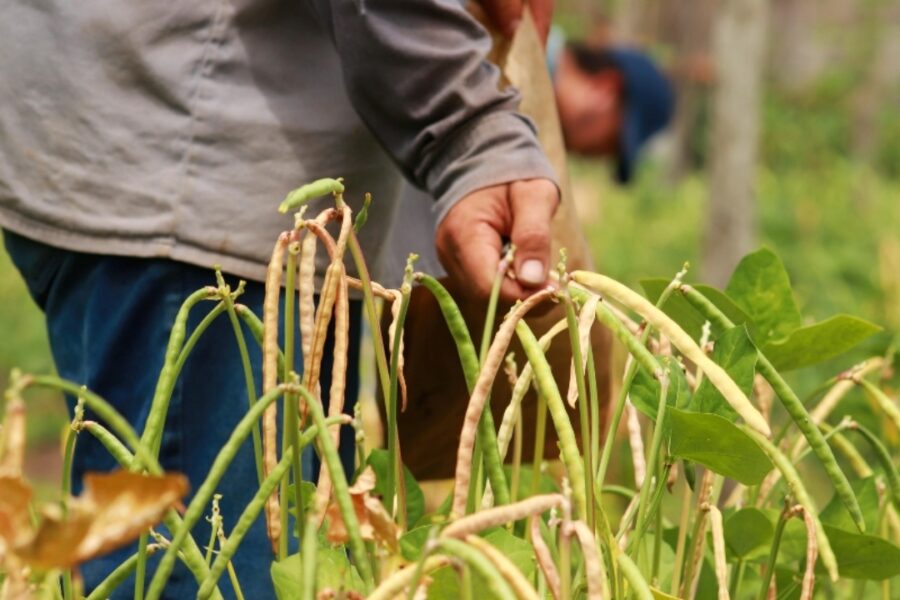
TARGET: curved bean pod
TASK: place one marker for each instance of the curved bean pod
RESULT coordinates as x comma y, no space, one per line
571,457
476,560
639,585
887,462
793,480
305,193
794,407
681,340
393,586
205,492
499,515
468,358
479,396
510,572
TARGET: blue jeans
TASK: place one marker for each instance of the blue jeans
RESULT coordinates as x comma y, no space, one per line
109,320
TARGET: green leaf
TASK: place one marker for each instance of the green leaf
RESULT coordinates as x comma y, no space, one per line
518,551
835,512
861,556
718,444
761,287
445,582
748,534
333,570
817,343
415,499
684,314
412,542
660,595
644,390
735,353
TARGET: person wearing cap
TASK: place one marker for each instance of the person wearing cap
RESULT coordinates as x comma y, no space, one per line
611,100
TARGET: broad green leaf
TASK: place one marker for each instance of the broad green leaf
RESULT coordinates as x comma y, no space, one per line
735,353
761,287
684,314
415,499
861,556
817,343
644,390
412,542
748,534
718,444
518,551
660,595
835,512
333,570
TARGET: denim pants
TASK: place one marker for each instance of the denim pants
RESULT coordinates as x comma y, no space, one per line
109,320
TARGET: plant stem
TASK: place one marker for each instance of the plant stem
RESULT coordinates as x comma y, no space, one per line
381,361
249,380
141,572
395,465
773,554
682,538
584,417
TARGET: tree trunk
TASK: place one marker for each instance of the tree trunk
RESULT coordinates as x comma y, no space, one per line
739,45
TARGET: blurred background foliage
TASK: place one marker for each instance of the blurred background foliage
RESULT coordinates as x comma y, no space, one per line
827,179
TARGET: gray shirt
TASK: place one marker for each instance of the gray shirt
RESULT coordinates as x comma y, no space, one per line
174,129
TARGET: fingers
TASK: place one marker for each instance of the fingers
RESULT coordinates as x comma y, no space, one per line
533,203
469,239
504,14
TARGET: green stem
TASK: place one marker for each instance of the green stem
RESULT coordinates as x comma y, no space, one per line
118,576
543,376
341,490
773,555
251,512
792,405
468,358
249,380
475,560
595,410
381,361
141,572
207,488
565,566
639,586
66,489
652,457
584,417
255,325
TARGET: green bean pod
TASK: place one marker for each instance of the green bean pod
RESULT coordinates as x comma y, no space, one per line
543,376
888,406
330,456
681,340
118,576
468,358
887,463
245,521
191,555
159,408
310,191
479,563
794,407
639,585
255,325
206,490
783,463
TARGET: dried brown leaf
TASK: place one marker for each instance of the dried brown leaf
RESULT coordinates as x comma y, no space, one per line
113,510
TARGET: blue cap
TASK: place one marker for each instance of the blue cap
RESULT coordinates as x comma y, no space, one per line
648,106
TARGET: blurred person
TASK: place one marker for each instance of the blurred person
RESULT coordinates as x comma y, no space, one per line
141,143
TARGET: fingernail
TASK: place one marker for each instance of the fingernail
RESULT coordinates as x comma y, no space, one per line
532,272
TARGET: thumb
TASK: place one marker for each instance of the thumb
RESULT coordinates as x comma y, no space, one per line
504,14
533,203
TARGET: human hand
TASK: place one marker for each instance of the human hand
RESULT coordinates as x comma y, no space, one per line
506,14
470,238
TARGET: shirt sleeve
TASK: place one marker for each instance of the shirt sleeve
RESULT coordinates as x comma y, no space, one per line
416,73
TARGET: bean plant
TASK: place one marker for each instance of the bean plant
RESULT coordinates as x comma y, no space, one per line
711,505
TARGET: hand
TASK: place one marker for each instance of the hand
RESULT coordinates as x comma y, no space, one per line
506,14
470,238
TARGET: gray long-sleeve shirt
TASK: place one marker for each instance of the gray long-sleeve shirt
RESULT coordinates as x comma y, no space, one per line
173,129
